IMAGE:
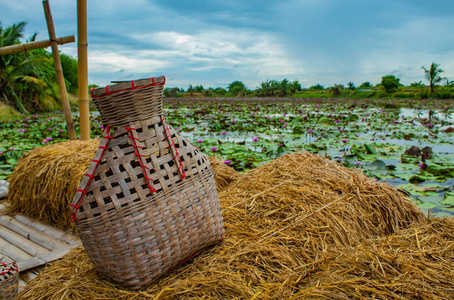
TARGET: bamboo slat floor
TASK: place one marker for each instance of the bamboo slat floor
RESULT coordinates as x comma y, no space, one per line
32,244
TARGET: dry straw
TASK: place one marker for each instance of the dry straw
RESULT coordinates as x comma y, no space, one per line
45,180
223,174
301,227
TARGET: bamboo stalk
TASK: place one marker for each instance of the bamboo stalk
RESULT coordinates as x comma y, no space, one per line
59,71
82,46
36,45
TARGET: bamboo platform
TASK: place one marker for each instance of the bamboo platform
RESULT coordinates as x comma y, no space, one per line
32,244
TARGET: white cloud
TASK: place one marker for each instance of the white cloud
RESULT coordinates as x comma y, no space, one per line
246,52
228,49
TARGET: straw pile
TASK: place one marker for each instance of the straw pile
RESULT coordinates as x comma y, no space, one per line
44,182
299,227
223,174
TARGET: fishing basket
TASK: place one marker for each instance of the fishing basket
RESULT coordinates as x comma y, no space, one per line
9,278
148,201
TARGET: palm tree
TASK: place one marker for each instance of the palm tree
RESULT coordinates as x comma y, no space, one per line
337,89
26,78
417,84
295,86
449,83
433,75
283,86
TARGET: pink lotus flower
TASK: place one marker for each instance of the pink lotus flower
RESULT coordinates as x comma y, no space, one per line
255,139
227,161
310,130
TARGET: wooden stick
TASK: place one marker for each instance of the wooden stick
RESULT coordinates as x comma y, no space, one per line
82,45
36,45
59,71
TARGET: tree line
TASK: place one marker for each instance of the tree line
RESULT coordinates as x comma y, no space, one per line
390,86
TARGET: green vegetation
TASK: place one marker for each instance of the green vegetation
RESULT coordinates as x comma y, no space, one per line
27,79
372,136
433,76
237,88
390,83
389,88
276,88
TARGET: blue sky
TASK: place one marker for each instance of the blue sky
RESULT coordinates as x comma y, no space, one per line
213,42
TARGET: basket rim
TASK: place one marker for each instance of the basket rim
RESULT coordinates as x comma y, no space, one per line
121,86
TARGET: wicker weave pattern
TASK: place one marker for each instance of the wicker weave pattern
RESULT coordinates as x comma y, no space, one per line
132,234
9,280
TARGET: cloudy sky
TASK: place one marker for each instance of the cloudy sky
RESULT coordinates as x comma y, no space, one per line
213,42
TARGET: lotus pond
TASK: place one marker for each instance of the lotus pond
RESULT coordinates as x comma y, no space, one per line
375,136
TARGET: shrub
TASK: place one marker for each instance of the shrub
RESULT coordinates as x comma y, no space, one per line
390,83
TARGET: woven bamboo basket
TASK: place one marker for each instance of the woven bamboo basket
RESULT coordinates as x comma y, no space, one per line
9,278
148,201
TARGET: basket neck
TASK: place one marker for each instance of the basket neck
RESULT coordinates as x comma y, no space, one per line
131,101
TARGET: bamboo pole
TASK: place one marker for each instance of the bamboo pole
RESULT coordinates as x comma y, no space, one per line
36,45
59,71
82,46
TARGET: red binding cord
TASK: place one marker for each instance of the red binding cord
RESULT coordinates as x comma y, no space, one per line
133,87
90,176
9,269
139,157
129,129
190,257
167,131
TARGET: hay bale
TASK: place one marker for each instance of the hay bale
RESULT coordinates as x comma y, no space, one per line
45,180
223,174
287,225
